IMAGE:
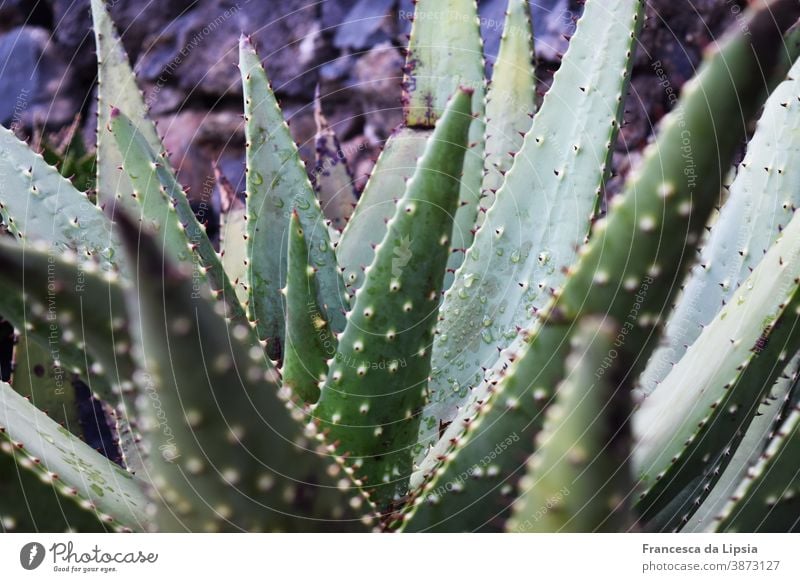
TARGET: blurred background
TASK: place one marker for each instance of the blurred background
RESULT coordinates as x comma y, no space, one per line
185,54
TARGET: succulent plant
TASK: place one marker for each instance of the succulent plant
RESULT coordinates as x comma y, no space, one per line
472,344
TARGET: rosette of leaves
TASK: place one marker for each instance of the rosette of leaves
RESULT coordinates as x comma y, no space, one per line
459,348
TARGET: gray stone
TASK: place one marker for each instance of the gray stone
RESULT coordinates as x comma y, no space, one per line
337,69
334,12
72,31
366,24
377,79
34,85
135,20
19,77
199,51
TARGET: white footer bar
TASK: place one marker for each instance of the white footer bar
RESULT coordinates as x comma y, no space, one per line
379,558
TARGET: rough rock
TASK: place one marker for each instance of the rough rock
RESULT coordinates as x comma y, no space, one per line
366,24
34,82
198,53
378,78
194,138
136,22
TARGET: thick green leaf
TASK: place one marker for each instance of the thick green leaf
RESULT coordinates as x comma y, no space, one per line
37,203
495,434
225,454
45,383
761,202
31,503
687,428
73,310
542,212
77,315
333,180
769,417
309,341
510,100
578,479
445,52
165,208
387,183
76,470
116,87
625,253
277,183
768,499
232,235
376,385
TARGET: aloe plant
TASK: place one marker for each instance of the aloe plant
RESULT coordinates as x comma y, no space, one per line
470,345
